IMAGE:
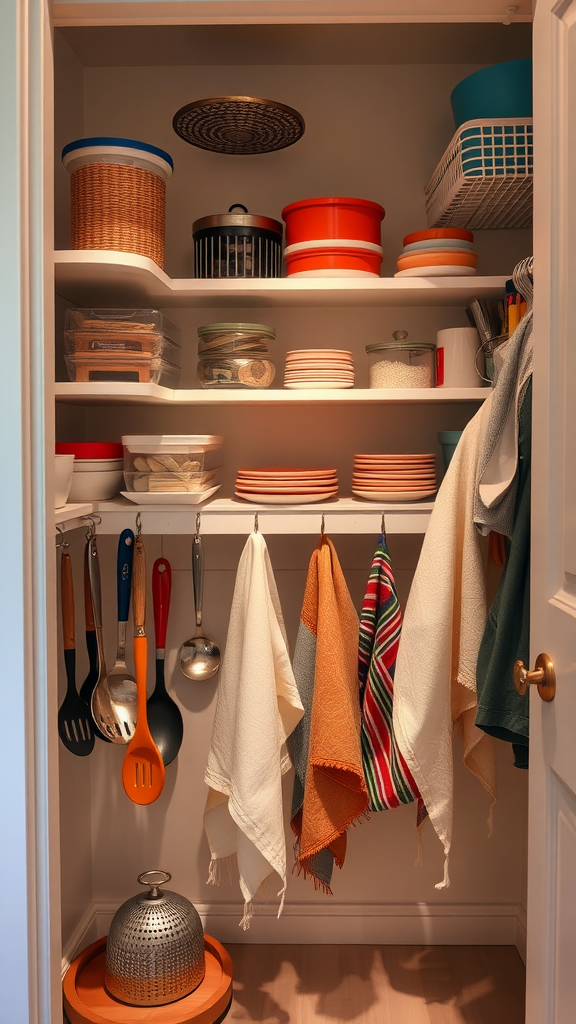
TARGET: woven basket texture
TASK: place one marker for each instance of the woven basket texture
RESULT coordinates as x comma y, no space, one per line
118,207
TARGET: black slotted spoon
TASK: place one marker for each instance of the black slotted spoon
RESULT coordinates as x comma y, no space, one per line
74,720
164,716
87,688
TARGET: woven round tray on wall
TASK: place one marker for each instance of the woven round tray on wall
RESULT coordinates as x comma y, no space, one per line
86,1001
118,207
239,125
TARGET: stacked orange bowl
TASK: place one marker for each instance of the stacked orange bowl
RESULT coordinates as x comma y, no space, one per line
438,252
286,485
394,477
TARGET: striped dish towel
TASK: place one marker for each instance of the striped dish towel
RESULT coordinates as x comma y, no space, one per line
389,780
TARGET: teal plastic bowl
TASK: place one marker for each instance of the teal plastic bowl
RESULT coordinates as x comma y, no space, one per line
502,90
448,439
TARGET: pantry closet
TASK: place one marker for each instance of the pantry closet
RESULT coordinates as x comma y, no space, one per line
375,98
377,121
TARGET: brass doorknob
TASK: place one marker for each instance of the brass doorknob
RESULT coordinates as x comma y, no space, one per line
543,675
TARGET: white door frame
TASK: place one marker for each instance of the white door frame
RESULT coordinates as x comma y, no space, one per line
29,944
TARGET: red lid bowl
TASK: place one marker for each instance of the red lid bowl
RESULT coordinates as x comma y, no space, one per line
90,449
423,236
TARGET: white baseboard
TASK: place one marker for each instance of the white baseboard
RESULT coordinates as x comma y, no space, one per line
335,923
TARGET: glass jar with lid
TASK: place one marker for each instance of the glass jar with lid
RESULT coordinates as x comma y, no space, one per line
235,355
402,363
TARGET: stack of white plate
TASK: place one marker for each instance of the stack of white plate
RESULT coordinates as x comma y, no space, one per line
319,368
286,485
394,477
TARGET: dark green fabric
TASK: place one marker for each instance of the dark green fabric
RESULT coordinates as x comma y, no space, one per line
502,712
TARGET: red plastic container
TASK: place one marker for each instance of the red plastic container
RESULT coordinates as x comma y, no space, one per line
334,262
91,449
333,217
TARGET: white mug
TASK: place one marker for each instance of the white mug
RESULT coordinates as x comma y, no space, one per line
458,363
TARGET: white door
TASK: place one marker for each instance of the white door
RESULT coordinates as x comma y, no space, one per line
551,964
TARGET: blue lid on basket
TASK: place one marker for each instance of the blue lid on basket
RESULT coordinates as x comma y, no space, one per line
110,142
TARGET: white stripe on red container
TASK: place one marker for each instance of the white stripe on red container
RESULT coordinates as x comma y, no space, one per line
334,243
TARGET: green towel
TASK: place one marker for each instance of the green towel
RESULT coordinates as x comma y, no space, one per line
502,712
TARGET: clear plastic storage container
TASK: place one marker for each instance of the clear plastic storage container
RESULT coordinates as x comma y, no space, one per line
172,463
402,363
235,355
139,345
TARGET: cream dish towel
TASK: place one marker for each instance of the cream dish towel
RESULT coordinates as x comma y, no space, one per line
444,620
258,707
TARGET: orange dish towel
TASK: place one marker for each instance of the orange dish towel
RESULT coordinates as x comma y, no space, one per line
330,791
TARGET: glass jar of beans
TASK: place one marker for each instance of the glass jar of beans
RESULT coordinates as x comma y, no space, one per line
402,363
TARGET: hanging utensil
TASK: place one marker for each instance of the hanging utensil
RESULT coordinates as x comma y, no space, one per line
87,688
199,657
113,710
143,768
164,717
74,726
120,682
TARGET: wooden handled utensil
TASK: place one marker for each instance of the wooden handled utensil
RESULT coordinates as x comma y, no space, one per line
143,768
74,720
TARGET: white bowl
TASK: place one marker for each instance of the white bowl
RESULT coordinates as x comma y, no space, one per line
64,467
98,465
96,486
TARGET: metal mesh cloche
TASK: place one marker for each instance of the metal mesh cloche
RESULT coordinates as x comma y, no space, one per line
155,949
239,125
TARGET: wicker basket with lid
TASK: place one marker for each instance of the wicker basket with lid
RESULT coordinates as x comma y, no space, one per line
118,195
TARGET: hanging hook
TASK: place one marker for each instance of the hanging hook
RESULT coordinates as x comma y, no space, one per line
93,521
198,518
256,523
63,543
138,524
322,524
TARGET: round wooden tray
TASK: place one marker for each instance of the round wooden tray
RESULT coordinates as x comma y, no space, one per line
86,1001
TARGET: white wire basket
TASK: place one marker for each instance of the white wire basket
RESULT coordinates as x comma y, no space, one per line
484,179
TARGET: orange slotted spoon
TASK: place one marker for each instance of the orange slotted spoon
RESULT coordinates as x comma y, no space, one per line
143,768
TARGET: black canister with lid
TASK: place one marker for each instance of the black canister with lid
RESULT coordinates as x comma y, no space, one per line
237,244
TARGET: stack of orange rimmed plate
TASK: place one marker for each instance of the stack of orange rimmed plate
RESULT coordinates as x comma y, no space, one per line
286,485
319,368
438,252
394,477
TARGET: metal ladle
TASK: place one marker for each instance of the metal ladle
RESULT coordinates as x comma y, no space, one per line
199,657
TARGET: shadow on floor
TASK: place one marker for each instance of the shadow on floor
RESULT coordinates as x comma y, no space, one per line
294,984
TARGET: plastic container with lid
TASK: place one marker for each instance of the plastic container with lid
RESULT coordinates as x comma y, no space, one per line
235,355
175,463
139,345
333,217
401,363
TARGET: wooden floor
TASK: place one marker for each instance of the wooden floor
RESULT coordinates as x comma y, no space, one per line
377,984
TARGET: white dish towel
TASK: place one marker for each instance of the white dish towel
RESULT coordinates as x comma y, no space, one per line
258,707
444,620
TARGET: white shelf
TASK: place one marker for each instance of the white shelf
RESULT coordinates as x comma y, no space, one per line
98,277
113,393
232,516
72,515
